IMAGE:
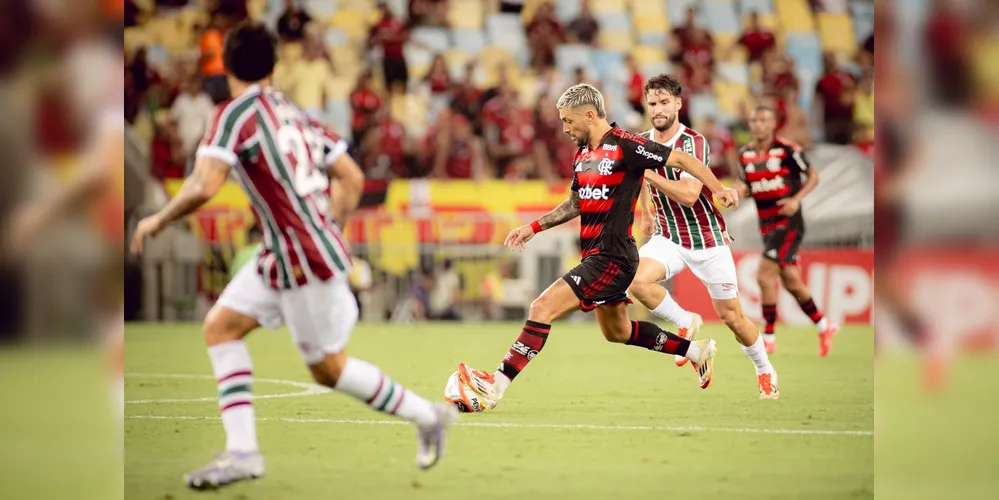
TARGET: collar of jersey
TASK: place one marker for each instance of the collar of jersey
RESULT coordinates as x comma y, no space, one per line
251,89
652,135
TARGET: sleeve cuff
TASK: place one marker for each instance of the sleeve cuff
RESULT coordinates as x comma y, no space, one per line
339,148
218,153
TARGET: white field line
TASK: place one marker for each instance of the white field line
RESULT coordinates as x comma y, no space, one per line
738,430
307,389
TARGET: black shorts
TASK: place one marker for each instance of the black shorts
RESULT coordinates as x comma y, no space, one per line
396,71
600,281
781,245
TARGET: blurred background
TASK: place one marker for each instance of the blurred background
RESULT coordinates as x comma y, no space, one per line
449,106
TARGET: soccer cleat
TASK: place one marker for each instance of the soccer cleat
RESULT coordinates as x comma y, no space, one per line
482,382
705,366
689,334
433,438
227,468
826,338
768,385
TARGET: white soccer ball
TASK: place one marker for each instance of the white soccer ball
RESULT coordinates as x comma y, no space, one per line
460,394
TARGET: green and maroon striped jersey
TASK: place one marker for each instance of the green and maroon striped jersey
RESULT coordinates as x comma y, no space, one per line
697,227
279,156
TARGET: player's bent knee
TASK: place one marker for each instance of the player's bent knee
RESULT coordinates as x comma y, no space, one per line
542,310
329,370
617,334
223,325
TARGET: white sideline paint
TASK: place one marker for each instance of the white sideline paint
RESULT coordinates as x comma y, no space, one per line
307,389
742,430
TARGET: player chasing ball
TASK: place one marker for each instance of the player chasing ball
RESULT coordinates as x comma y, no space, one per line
609,168
284,161
688,231
771,173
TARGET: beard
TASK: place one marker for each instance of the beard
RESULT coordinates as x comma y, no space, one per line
670,120
583,140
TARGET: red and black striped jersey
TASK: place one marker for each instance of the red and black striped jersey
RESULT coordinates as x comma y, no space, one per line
772,175
608,180
279,156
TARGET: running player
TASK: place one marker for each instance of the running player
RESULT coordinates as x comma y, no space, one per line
771,172
283,159
609,167
688,231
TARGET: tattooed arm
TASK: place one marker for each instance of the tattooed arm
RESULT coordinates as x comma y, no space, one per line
565,212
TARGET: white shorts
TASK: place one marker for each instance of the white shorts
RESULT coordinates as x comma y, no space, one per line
321,316
715,266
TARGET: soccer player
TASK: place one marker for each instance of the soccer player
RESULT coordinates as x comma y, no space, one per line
283,160
688,231
771,172
609,167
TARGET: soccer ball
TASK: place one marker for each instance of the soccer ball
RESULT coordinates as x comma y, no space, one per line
460,394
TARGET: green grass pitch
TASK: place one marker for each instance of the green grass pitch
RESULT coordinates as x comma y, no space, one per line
586,419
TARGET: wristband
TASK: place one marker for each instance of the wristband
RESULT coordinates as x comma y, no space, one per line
536,226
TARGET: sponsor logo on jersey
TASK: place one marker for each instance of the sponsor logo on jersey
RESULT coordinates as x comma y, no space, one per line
688,147
772,253
610,147
765,185
606,166
648,154
594,193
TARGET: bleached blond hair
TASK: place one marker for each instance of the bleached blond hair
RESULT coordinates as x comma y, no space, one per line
580,95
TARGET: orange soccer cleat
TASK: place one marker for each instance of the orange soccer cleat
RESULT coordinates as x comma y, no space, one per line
768,385
826,338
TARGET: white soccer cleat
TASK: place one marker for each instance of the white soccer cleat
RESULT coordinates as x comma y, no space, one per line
689,334
433,438
483,384
705,365
227,468
768,385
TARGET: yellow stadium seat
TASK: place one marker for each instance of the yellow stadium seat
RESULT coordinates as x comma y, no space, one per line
646,23
339,87
527,90
530,7
645,54
607,6
363,6
256,8
729,95
456,58
491,59
795,16
836,32
467,14
724,52
351,22
136,37
646,7
611,40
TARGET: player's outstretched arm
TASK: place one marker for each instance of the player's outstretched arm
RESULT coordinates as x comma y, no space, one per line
727,196
566,211
210,174
351,186
685,191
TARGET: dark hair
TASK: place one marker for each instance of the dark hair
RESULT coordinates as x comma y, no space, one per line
664,82
250,52
762,107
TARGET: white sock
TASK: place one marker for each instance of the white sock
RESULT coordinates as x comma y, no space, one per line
822,324
670,311
367,383
769,337
758,354
501,383
234,373
693,352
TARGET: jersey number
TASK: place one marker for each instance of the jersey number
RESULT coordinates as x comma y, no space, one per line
308,178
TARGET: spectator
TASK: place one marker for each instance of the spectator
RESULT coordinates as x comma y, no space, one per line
511,6
364,102
391,34
795,127
544,33
444,294
467,98
691,36
509,134
835,92
756,39
584,29
234,10
385,147
438,86
191,111
778,75
453,148
291,24
428,13
636,89
168,6
166,156
550,85
308,77
212,66
254,242
553,150
723,157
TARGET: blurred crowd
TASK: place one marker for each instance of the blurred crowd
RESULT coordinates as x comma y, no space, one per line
473,130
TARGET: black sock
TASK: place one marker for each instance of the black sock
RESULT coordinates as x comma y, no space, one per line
769,317
653,338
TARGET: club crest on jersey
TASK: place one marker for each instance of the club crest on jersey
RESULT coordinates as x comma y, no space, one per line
606,166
